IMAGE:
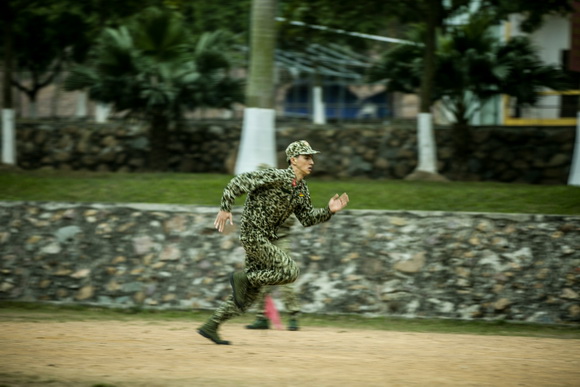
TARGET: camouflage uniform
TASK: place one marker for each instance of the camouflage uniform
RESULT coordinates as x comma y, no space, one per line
272,196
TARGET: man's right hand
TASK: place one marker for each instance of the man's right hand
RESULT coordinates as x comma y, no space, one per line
221,220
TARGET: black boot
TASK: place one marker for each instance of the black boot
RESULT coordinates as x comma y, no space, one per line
260,323
293,324
209,331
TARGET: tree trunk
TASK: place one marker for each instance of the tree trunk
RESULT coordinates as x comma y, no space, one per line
32,108
56,95
8,129
426,146
461,134
574,177
258,141
158,141
260,89
7,12
461,141
31,93
8,137
428,76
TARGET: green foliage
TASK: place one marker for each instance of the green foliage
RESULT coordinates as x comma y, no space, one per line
526,74
203,16
472,66
366,17
533,11
152,67
153,64
379,17
44,37
58,30
401,66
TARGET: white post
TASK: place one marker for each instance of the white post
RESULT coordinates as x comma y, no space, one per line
258,142
574,177
426,144
102,112
81,108
319,113
8,137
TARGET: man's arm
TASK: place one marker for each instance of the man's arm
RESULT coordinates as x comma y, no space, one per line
239,185
309,216
243,184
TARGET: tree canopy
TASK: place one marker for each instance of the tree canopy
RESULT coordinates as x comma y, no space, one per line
472,66
153,67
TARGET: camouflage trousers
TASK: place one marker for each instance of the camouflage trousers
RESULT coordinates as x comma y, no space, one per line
287,291
266,264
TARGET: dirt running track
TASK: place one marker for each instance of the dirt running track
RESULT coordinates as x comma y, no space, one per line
170,354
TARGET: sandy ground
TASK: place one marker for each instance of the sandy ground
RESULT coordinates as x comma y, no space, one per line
169,354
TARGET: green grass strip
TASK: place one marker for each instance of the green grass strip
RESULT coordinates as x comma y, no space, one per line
206,189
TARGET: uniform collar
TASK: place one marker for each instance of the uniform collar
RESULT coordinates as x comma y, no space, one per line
294,181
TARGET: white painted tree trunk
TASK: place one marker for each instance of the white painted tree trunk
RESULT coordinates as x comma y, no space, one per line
258,142
319,117
8,137
102,112
426,144
81,108
574,177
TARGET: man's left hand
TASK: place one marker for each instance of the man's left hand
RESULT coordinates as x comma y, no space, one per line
337,203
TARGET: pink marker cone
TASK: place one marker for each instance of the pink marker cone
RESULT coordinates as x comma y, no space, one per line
272,312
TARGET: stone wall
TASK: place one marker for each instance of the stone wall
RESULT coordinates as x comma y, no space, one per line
414,264
526,155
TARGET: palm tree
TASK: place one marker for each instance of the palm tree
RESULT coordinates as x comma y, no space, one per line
258,142
154,69
472,67
8,134
433,9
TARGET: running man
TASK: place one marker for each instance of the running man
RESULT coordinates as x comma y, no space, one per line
272,196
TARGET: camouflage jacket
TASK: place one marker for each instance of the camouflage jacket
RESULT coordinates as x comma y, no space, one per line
272,196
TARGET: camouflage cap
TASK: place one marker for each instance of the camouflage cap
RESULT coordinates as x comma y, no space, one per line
297,148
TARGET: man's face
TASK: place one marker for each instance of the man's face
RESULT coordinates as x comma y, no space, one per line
304,164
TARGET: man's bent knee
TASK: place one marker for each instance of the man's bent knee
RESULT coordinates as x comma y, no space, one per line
292,276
